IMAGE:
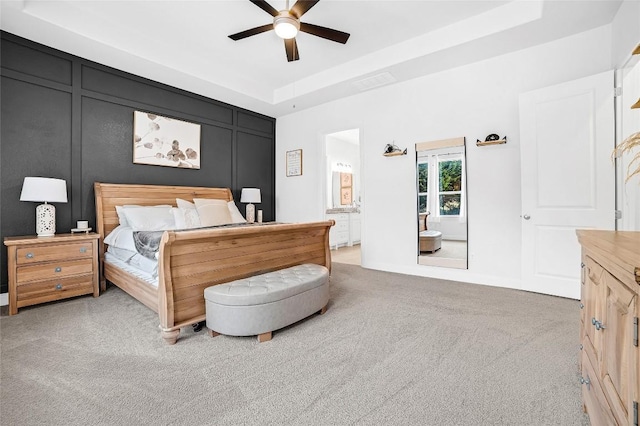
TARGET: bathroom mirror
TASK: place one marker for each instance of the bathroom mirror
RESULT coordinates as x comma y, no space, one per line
442,203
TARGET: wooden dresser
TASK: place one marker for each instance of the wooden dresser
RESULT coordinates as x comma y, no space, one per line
43,269
609,360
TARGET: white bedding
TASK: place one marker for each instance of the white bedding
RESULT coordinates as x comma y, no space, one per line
146,276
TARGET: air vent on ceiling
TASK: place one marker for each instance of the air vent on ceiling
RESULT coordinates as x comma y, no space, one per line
374,81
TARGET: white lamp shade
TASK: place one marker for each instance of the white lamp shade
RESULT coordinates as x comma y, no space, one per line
250,195
44,190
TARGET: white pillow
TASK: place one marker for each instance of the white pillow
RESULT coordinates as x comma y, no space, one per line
121,237
123,219
186,218
212,212
236,216
150,218
184,204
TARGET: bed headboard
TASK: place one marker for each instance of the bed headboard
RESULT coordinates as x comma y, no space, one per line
110,195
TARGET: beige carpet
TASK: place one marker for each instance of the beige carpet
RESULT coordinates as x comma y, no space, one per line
390,350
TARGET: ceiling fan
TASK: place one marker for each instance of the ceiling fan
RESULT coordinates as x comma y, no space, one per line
286,24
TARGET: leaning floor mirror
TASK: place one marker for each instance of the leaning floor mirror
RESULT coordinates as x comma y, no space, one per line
442,203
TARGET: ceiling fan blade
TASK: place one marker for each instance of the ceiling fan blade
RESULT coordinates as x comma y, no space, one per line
251,32
324,32
266,7
291,47
302,6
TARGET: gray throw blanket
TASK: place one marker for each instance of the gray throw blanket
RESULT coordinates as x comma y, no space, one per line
148,242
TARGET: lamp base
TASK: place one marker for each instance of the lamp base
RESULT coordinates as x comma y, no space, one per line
251,213
45,220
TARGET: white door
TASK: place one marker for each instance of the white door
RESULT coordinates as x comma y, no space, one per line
568,178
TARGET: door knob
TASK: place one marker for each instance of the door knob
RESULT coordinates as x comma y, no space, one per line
526,217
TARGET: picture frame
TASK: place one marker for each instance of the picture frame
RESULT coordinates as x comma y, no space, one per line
165,141
294,162
346,196
345,179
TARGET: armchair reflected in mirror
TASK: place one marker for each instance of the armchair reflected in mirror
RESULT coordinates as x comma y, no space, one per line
442,203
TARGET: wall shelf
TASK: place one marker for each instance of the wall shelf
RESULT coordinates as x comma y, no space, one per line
485,143
395,154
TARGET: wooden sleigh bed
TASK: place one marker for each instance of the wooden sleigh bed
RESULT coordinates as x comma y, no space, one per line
191,260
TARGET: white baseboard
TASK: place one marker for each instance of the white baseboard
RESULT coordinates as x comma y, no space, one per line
4,299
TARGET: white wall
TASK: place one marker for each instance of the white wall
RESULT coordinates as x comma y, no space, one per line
470,101
625,32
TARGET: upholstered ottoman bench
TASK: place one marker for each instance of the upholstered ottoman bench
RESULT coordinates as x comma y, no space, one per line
430,241
263,303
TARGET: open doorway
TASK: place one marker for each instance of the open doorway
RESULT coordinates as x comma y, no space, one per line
343,194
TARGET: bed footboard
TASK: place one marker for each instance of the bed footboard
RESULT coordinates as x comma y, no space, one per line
192,260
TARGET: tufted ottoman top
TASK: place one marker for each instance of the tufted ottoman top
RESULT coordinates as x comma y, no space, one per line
269,287
430,233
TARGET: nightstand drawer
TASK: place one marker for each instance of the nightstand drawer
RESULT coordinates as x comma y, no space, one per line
45,291
29,255
53,270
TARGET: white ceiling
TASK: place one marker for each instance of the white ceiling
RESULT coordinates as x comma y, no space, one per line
184,43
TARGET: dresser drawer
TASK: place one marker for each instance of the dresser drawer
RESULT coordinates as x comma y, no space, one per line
53,270
45,291
593,397
29,255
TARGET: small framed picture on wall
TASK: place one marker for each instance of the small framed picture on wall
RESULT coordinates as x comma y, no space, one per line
346,197
294,163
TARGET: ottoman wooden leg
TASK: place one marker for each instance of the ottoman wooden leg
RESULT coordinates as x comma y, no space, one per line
264,337
213,333
323,310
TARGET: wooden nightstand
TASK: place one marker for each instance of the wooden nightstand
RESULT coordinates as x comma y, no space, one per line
43,269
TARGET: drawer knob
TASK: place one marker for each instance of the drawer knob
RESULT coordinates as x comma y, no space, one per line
599,325
586,381
58,286
83,249
582,306
29,255
58,269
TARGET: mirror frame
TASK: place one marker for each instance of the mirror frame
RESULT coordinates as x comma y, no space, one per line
430,259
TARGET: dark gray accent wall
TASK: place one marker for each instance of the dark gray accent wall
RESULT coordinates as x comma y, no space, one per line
66,117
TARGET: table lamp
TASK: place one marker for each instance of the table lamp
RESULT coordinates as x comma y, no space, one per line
250,195
47,190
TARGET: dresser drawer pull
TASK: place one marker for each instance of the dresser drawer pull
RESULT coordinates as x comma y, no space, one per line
29,255
58,286
58,269
582,306
599,325
83,249
586,381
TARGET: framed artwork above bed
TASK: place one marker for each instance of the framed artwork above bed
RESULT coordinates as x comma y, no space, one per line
164,141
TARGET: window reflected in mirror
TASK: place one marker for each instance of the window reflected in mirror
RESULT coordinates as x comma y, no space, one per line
441,200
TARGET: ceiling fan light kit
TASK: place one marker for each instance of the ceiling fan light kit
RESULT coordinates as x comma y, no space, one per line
286,24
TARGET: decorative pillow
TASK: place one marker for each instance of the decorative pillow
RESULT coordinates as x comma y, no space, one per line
121,237
184,204
123,219
212,212
236,216
150,218
186,218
